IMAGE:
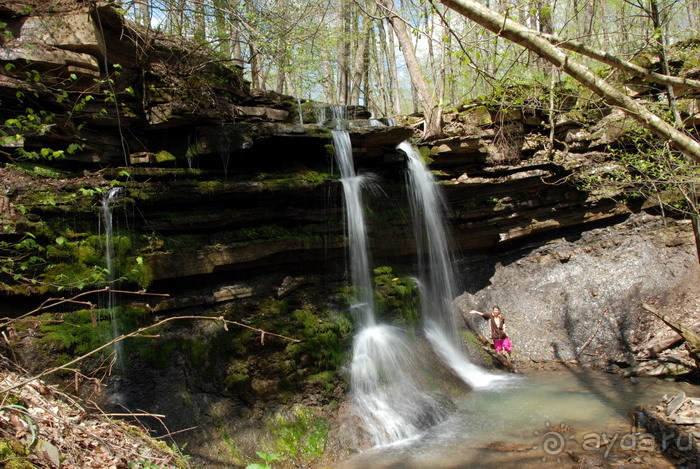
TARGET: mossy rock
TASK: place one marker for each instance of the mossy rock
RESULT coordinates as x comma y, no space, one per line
476,116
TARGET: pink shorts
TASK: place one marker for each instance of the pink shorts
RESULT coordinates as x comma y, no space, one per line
502,344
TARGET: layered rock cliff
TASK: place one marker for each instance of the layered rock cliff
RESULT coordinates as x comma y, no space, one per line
218,178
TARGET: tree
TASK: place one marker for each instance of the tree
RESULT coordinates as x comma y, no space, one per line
431,110
555,54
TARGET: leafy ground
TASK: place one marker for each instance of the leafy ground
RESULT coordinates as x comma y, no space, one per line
42,427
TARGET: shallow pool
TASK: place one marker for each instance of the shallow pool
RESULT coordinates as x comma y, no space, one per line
574,418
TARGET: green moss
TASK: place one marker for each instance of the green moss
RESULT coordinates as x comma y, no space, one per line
326,380
198,349
79,332
325,340
398,299
39,170
157,353
13,455
301,436
237,377
209,187
164,156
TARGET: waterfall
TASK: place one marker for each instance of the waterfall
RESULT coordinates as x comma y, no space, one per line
301,114
356,229
106,214
388,394
436,275
320,113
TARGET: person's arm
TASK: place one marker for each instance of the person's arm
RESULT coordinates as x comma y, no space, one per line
483,315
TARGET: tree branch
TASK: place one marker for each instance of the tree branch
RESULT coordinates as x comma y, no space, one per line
138,333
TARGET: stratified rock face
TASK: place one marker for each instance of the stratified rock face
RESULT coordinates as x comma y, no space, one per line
220,180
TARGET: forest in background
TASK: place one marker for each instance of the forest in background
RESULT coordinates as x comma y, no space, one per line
347,52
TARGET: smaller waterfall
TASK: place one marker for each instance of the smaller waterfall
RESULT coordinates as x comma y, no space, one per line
301,114
106,213
436,275
320,113
357,232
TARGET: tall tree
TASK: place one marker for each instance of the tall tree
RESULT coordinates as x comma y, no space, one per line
431,111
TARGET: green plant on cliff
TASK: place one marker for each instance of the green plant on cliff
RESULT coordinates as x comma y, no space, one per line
73,334
325,339
645,167
300,437
397,298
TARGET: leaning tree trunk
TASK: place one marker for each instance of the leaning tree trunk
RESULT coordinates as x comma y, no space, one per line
535,42
431,110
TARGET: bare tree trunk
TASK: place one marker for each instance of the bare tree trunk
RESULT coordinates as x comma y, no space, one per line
344,55
537,43
200,27
281,69
381,71
255,74
360,67
222,31
431,111
329,90
395,95
142,13
660,34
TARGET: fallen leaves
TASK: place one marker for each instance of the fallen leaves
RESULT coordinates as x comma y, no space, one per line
54,430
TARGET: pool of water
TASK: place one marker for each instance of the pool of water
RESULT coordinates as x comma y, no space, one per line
574,418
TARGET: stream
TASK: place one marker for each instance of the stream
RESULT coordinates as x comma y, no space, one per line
539,420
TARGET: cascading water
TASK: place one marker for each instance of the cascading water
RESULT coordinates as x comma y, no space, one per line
357,233
106,212
301,113
387,393
435,271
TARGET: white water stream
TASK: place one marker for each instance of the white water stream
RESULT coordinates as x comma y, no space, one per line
388,392
106,213
436,275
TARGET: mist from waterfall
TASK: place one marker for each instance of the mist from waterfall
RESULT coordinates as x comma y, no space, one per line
388,393
436,275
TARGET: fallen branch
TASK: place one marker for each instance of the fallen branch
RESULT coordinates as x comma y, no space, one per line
691,338
139,333
53,302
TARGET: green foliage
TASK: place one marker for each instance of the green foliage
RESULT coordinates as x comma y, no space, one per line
302,436
398,299
267,457
163,156
648,168
14,454
78,264
324,340
79,332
